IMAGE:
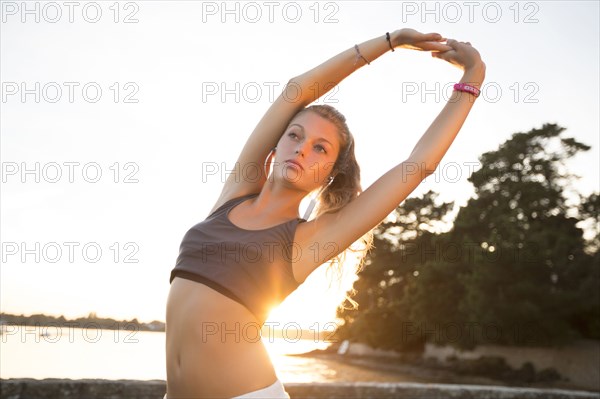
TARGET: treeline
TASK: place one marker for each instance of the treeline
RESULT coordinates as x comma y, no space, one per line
514,269
291,332
91,321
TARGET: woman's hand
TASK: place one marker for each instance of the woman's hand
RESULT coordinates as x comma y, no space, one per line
461,54
413,40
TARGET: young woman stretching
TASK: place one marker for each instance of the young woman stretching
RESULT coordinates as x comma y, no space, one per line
253,249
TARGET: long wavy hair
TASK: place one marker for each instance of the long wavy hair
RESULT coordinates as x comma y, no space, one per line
344,188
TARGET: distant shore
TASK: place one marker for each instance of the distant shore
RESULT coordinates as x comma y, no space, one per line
91,321
94,322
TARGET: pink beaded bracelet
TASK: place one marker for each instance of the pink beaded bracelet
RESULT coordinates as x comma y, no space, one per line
467,88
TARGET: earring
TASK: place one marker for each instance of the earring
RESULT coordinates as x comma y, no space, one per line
268,160
313,201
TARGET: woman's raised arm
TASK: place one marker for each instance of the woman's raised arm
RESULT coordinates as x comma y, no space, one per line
303,90
333,71
343,228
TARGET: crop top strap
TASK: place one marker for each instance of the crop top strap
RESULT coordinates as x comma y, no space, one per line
232,202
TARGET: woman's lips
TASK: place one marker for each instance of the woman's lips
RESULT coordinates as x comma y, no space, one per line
294,163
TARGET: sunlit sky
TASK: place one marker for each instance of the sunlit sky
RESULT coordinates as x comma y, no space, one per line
182,88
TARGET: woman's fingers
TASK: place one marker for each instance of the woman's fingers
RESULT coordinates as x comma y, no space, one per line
462,54
442,47
412,39
433,37
452,43
445,55
432,46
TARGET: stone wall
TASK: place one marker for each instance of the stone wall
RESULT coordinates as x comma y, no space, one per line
26,388
360,349
579,362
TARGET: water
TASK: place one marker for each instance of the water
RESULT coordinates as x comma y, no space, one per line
77,353
140,355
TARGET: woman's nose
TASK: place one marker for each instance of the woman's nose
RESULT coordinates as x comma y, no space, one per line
300,149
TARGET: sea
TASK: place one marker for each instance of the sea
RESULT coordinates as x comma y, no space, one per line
77,353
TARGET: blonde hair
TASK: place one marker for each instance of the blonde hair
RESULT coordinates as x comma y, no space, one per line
344,188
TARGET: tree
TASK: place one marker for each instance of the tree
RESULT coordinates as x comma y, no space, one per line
380,320
513,269
530,289
587,318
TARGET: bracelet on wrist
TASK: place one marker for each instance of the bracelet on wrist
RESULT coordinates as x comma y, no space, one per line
359,56
389,40
467,88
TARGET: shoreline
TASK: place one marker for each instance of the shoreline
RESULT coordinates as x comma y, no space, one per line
432,371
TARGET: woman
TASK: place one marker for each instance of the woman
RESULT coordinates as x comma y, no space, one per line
226,278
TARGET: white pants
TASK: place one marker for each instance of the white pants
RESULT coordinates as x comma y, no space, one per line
274,391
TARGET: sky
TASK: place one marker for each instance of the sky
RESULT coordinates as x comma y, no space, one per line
120,120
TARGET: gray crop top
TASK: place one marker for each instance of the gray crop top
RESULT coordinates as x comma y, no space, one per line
252,267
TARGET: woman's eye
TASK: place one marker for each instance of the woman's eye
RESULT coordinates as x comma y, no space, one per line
321,148
293,134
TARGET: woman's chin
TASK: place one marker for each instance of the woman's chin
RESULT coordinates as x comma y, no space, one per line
292,176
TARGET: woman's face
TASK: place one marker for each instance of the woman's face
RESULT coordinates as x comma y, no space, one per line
317,141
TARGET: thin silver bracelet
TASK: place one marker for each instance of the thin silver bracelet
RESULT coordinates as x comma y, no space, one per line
359,55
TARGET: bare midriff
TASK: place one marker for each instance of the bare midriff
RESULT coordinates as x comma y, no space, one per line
213,345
